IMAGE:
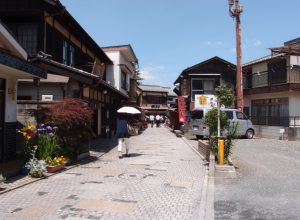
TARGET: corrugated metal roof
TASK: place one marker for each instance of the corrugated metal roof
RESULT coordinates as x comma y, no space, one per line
262,59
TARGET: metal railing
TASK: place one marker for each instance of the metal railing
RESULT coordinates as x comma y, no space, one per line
263,79
285,121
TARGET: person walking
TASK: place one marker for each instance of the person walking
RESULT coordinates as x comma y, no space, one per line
157,119
122,135
151,120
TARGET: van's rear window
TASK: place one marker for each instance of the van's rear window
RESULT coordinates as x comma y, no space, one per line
197,114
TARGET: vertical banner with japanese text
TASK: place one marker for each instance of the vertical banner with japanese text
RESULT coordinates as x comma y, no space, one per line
181,109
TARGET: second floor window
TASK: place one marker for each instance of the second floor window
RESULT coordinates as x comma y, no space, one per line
202,86
68,56
123,81
72,57
65,53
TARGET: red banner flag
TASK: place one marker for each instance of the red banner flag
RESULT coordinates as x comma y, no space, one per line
181,109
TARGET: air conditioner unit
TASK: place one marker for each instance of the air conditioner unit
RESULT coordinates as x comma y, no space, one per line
47,98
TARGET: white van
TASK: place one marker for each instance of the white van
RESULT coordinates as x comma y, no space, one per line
201,130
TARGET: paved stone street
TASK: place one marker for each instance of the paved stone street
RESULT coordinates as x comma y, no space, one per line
163,179
267,183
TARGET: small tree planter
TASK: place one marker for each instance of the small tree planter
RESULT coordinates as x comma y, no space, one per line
52,169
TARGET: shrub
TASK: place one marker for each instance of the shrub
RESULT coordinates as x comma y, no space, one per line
73,118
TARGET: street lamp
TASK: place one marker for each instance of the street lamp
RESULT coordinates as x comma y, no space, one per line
235,13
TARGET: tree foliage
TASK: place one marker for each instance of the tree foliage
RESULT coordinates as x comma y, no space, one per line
73,117
225,95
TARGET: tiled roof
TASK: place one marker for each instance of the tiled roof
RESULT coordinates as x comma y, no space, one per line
153,88
170,91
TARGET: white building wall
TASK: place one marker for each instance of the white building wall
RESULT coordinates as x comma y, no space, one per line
294,103
10,98
113,71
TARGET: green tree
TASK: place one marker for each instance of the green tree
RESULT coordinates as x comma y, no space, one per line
226,97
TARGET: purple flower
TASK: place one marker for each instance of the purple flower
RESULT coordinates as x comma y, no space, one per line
51,134
49,128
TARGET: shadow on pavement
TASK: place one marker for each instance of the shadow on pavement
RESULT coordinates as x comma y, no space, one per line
135,155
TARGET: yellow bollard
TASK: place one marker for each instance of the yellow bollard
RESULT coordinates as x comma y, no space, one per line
221,152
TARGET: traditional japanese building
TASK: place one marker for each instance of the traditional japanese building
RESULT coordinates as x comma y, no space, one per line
76,65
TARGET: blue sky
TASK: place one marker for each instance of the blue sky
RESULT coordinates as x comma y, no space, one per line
168,36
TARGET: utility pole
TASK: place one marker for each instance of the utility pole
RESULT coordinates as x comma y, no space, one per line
235,13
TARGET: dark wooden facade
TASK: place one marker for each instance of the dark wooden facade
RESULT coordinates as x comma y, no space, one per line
216,70
153,99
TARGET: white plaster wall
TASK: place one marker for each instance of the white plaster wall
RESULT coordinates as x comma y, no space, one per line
294,104
113,71
10,99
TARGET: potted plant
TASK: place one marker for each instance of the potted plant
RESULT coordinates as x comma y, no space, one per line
55,164
36,167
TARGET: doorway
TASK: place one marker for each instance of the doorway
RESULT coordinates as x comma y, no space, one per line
2,112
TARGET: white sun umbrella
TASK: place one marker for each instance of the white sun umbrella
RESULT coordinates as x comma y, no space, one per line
129,110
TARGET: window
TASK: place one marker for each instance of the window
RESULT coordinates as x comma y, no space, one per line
274,111
240,115
68,57
72,53
229,114
155,100
197,114
65,53
24,97
202,86
123,81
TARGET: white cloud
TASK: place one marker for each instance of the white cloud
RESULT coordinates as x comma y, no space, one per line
215,43
257,43
148,73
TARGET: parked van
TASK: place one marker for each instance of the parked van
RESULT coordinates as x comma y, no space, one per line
201,130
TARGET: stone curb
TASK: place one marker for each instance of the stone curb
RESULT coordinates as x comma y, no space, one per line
206,208
48,175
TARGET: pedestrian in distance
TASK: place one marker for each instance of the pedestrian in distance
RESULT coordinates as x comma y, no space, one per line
151,120
157,120
122,135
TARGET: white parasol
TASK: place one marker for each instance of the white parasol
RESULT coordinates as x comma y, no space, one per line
129,110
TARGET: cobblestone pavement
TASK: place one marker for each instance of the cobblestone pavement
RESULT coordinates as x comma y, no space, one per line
162,179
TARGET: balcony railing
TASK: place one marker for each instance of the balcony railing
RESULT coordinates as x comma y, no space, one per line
263,79
285,121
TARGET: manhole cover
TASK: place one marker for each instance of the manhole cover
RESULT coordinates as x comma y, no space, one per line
132,176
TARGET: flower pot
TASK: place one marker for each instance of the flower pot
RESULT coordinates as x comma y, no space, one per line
36,174
52,169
